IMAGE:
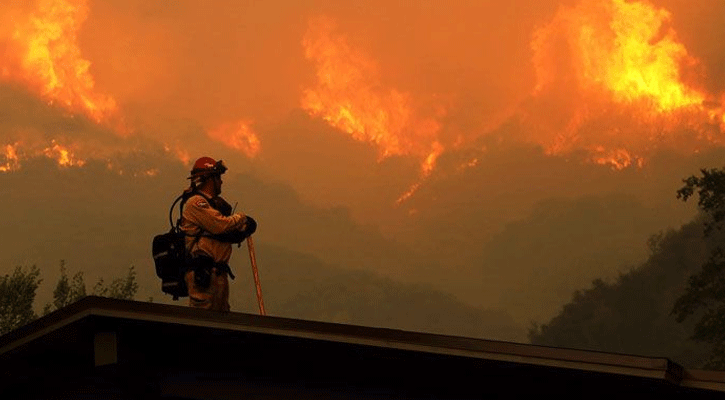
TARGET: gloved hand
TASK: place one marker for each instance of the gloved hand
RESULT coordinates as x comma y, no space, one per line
250,226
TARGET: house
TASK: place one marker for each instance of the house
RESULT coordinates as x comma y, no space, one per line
101,348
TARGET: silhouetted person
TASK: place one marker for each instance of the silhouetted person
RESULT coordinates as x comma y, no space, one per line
211,228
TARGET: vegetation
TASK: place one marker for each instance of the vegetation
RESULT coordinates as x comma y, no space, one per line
67,292
705,292
17,293
632,313
672,305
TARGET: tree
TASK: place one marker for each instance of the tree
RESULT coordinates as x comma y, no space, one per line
119,288
66,292
17,294
705,292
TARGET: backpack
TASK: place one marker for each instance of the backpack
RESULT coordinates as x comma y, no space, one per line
169,253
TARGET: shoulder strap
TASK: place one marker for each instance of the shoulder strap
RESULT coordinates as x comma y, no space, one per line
183,197
171,211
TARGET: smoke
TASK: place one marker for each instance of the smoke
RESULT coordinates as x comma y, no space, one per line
698,28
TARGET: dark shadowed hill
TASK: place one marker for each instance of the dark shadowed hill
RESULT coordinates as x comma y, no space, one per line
565,244
631,314
300,286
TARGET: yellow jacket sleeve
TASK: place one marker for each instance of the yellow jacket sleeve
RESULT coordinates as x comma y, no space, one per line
199,212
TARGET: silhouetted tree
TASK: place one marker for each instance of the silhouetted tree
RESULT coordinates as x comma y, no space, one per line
17,293
705,293
120,288
66,292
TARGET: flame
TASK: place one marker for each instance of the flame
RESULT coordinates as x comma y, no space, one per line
626,48
617,158
349,96
12,162
614,72
427,168
238,136
63,155
42,53
180,153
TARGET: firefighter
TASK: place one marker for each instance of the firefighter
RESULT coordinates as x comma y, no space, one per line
211,228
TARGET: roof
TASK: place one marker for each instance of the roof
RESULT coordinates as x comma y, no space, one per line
148,326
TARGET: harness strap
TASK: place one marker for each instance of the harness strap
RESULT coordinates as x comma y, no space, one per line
184,197
207,263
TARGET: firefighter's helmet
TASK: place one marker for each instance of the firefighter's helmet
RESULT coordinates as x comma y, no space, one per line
206,167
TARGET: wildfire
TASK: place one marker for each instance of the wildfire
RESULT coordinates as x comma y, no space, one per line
42,53
62,155
238,136
350,97
616,69
617,158
426,169
12,162
625,47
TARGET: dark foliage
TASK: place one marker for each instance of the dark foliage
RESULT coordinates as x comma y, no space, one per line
18,290
17,293
704,296
67,292
632,314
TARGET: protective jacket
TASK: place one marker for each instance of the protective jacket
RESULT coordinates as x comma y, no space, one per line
200,221
210,230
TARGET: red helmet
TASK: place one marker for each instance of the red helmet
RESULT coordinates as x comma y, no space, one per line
207,166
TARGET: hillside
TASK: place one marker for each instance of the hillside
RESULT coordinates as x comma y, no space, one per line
631,314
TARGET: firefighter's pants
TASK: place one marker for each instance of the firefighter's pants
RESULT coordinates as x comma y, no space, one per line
215,297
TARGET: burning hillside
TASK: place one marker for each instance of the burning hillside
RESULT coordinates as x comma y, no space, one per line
616,84
613,84
42,53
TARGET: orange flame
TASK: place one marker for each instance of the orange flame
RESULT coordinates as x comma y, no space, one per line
615,69
13,154
238,136
63,155
426,169
625,47
349,96
43,54
12,162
